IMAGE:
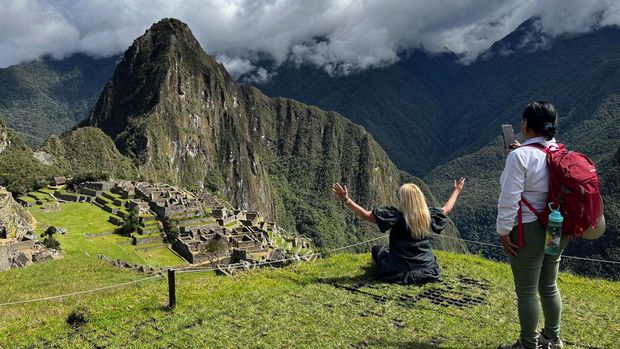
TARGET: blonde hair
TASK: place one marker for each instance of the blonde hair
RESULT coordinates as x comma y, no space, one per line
415,210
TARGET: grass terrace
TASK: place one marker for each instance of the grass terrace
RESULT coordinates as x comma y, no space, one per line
87,226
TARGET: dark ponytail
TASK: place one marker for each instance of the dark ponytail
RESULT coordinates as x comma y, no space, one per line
541,118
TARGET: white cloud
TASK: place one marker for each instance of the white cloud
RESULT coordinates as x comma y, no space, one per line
340,36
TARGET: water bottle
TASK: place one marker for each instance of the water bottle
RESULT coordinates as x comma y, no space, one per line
554,232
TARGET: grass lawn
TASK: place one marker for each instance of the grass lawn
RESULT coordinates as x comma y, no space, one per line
198,224
231,224
77,218
331,303
84,218
27,199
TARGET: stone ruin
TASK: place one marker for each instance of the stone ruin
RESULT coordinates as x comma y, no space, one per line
19,246
209,232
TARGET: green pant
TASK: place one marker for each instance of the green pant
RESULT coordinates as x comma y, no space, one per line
535,273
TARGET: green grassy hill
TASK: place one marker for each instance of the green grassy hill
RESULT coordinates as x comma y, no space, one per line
325,304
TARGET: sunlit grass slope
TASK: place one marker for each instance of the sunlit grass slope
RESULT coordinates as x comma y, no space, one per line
331,303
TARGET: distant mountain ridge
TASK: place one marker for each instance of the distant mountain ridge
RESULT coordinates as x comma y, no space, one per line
49,96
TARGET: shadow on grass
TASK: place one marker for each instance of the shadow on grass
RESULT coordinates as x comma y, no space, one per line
382,343
369,275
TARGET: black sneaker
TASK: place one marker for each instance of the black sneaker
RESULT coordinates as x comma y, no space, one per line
519,345
555,343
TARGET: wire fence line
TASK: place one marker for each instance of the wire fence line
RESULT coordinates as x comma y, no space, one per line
604,261
83,292
296,258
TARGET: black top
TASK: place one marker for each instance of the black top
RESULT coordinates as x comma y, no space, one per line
409,260
389,217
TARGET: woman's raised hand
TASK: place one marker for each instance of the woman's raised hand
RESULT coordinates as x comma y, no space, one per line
458,185
343,193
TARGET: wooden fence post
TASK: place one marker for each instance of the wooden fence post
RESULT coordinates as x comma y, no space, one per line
172,297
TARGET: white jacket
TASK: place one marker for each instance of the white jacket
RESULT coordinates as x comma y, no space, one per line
526,173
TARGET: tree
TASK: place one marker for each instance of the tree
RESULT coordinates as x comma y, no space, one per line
50,241
171,229
131,223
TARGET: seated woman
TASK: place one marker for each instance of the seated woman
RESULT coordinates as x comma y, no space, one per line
409,258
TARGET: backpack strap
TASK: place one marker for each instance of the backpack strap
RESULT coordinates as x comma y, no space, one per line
523,201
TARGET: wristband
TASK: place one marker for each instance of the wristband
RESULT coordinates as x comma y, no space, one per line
346,203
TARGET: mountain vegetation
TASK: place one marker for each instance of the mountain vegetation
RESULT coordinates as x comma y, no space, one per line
86,150
20,171
49,96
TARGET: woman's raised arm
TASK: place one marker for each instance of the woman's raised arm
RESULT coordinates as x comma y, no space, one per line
343,194
458,186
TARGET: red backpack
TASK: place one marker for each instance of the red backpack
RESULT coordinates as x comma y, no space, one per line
574,186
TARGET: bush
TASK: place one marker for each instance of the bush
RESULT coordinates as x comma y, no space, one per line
51,242
79,317
218,246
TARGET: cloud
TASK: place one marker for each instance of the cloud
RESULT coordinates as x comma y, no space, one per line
339,36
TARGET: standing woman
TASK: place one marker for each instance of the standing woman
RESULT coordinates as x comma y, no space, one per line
409,258
526,176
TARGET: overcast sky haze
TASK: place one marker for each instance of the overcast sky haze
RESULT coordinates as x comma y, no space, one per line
355,35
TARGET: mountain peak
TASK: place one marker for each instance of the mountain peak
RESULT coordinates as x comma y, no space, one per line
167,30
527,38
162,63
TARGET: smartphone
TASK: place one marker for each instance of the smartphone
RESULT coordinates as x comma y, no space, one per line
509,136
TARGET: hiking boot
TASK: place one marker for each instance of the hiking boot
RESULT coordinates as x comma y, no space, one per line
555,343
519,345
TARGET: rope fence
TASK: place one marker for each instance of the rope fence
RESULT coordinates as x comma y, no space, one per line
82,292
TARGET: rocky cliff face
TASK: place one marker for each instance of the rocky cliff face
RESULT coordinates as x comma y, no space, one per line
5,136
15,221
181,118
4,140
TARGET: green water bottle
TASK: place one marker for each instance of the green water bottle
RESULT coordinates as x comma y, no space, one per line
554,232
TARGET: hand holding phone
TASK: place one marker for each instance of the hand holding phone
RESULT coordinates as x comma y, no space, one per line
509,137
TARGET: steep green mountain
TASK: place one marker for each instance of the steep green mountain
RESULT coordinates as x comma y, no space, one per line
49,96
450,110
397,104
182,119
20,171
86,150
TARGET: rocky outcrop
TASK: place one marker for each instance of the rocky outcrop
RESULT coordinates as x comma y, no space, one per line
16,238
5,142
15,221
